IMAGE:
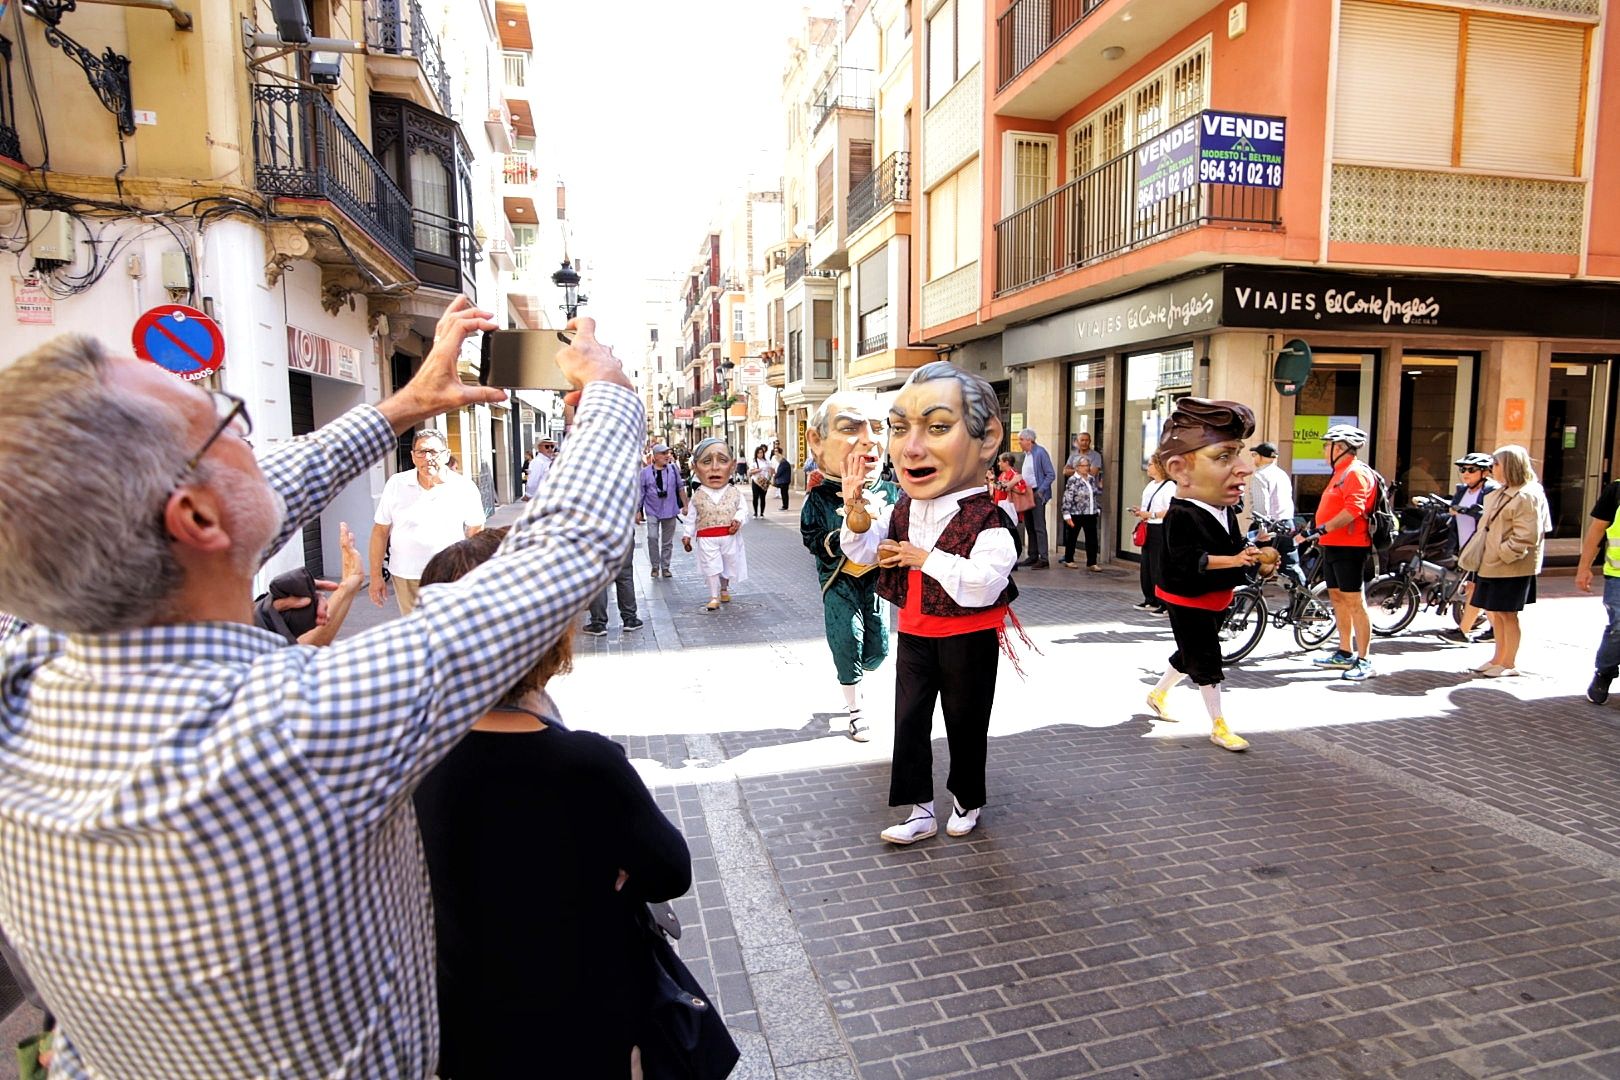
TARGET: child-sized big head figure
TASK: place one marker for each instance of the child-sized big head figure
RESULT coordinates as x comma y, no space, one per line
849,420
712,463
1202,450
943,430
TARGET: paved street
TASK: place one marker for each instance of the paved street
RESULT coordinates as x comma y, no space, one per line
1411,877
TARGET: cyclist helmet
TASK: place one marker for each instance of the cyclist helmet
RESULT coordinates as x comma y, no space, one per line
1353,437
1475,461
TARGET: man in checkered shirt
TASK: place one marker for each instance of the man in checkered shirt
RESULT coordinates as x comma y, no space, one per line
211,865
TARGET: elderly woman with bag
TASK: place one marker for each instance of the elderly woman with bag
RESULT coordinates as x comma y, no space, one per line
1505,554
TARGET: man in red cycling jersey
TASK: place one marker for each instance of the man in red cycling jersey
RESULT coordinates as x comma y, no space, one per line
1344,543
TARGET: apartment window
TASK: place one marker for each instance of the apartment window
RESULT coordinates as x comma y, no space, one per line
955,40
795,343
654,335
1168,96
1028,169
1518,84
737,324
953,221
776,324
872,302
860,161
822,313
824,192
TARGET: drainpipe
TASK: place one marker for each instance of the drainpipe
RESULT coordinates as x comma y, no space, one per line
182,20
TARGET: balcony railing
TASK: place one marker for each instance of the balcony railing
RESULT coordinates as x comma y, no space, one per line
10,145
797,263
1096,216
889,183
445,242
303,149
875,343
844,88
1030,27
523,259
399,28
516,66
519,168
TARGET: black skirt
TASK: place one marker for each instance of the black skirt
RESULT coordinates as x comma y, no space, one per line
1504,593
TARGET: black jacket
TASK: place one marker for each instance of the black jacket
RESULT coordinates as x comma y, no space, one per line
784,474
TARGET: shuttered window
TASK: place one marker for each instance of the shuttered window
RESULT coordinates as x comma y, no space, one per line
954,219
860,161
1521,109
824,192
1403,72
1029,161
874,282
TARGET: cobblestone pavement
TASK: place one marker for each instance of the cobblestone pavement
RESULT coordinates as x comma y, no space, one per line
1413,877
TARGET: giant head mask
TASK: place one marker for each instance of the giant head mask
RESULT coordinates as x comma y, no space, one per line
943,430
849,420
1202,450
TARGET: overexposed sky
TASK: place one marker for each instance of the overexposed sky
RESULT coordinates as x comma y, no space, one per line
654,113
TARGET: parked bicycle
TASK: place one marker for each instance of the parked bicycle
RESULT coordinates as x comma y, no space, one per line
1306,608
1427,578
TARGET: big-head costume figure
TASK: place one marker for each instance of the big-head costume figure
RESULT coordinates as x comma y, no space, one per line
946,556
847,425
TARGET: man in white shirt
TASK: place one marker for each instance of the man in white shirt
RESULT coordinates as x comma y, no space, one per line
421,513
538,467
1271,495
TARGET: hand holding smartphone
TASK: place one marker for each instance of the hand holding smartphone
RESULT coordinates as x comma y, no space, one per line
524,359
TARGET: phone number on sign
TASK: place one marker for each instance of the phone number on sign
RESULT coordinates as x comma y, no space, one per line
1165,187
1252,173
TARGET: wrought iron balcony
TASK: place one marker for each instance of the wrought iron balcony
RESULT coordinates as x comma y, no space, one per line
431,159
399,28
303,149
1099,215
889,183
1025,31
797,263
10,145
844,88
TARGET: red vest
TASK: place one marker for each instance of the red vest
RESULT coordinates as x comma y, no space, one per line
974,515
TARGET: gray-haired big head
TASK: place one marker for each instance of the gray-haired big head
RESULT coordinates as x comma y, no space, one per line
845,422
711,463
943,429
88,467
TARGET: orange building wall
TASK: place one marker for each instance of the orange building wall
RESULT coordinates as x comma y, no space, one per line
1604,244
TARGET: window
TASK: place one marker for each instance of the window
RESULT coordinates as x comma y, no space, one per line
1518,83
872,302
954,220
824,193
1168,96
860,161
955,39
737,323
823,329
1029,164
795,343
430,194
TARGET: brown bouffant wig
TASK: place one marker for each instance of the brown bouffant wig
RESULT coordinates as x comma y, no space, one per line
460,559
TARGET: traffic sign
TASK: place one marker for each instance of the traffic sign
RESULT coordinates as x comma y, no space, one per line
181,340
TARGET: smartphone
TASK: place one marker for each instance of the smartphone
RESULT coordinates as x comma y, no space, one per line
523,360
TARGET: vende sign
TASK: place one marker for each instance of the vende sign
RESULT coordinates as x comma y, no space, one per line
1213,147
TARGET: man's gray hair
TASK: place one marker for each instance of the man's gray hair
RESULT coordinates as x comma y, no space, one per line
430,433
88,471
1027,433
978,396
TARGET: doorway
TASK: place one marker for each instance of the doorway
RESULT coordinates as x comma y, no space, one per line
1572,464
1437,398
301,399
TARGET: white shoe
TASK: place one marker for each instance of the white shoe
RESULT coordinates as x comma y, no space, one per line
962,821
919,826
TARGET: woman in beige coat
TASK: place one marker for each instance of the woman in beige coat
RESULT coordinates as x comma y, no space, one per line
1512,528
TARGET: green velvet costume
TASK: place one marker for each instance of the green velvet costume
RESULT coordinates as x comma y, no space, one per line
857,631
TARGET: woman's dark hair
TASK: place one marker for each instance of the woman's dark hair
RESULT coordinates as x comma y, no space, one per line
464,556
1008,458
759,451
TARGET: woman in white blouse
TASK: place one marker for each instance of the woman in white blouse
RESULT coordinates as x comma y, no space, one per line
1156,496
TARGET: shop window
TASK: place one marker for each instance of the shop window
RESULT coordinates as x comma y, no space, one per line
1437,395
1339,391
1149,398
1573,463
1086,384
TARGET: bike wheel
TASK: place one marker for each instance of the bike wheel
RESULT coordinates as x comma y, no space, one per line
1392,604
1314,623
1245,621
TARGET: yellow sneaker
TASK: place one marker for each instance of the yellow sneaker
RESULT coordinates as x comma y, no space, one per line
1156,700
725,597
1222,736
712,605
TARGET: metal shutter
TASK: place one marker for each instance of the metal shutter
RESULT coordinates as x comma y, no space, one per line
860,161
1522,101
1397,85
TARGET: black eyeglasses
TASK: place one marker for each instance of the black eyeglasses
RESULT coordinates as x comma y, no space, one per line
233,415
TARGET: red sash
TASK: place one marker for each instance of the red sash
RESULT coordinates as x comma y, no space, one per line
718,530
913,621
1212,601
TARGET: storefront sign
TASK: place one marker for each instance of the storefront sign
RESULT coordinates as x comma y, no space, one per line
28,296
1513,414
322,356
1308,432
751,373
1179,309
683,414
1166,165
1237,148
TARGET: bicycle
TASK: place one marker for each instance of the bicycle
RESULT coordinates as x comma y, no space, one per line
1307,608
1418,582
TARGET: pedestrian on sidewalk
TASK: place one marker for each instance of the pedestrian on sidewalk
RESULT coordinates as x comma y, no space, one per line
760,475
1206,556
244,894
1156,496
663,497
853,618
1082,503
783,477
1009,490
1467,504
623,589
1602,531
712,520
1040,476
421,512
513,899
1512,533
1345,544
946,554
1271,496
539,465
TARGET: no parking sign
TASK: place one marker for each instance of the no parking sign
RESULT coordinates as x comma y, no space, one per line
181,340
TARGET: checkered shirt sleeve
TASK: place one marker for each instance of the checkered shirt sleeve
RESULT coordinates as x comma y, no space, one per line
212,867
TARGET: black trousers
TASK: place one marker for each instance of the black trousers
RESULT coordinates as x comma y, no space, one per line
759,498
783,488
1152,568
1198,643
960,672
1086,524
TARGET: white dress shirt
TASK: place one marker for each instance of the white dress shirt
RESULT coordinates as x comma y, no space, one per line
974,581
1271,494
424,521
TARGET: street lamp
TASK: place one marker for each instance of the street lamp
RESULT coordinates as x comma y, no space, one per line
567,279
725,394
669,415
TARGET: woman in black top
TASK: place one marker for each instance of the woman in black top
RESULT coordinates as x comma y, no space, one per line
543,846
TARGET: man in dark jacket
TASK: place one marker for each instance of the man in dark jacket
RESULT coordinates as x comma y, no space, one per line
783,478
